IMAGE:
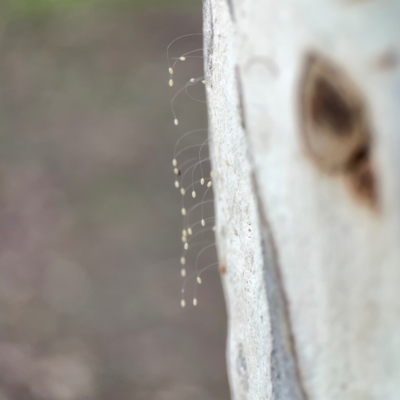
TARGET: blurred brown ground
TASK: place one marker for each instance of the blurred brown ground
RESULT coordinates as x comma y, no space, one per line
89,219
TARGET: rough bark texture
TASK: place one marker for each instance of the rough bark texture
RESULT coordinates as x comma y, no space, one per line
303,103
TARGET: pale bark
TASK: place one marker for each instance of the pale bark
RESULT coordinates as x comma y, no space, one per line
308,209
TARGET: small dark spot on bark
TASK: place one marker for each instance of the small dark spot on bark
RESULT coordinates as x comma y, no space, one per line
222,269
361,180
231,10
241,364
386,61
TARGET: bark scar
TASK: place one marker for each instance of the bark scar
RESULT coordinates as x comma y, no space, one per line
335,126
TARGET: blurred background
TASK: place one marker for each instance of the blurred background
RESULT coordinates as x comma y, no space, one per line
90,221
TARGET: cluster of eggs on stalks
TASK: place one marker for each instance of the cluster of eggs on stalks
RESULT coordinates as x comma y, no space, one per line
194,180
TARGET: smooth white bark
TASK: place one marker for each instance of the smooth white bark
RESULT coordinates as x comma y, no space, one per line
312,278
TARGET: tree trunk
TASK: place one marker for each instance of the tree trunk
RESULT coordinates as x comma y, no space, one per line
303,100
